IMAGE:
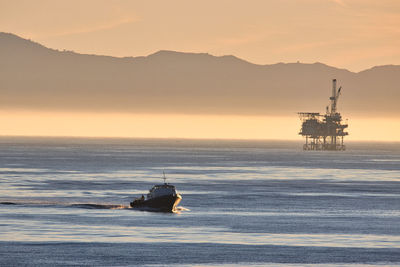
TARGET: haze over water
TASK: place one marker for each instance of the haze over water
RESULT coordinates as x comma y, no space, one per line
64,201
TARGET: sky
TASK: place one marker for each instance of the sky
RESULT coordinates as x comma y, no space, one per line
351,34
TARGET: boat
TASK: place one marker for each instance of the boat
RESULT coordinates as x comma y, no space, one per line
162,197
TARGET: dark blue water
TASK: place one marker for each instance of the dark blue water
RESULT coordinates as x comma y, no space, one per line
247,203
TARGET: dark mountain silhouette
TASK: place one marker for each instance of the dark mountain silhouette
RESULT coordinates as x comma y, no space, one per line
35,77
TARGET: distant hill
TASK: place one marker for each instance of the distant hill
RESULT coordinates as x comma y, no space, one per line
35,77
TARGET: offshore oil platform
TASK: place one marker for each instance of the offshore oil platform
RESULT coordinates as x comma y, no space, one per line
324,132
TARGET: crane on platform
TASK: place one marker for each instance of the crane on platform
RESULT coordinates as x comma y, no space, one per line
335,97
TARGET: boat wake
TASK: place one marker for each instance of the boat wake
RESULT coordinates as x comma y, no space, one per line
66,205
8,203
39,204
182,209
99,206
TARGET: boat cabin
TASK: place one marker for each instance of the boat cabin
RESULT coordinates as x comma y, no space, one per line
161,190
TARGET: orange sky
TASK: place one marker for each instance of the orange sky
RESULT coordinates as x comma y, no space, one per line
352,34
180,126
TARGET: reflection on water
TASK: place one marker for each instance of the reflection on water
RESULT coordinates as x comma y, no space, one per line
250,201
47,232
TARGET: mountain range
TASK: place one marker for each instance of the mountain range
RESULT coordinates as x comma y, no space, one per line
35,77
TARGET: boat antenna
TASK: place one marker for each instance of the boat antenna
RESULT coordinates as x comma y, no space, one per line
164,177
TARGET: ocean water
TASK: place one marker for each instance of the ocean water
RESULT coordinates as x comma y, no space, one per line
64,202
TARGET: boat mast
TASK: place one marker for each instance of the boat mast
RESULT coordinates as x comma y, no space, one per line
164,177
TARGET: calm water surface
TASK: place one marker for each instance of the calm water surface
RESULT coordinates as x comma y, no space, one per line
65,202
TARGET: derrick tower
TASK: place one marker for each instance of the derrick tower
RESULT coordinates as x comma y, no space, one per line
324,132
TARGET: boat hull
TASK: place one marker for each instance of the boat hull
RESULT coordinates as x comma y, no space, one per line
163,204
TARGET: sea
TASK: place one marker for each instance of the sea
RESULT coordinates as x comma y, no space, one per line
65,202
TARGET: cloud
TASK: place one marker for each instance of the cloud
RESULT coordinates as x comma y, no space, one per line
339,2
241,40
99,27
300,47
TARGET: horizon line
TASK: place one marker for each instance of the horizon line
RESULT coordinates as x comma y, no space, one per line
188,138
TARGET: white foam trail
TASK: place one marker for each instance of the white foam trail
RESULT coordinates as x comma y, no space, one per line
182,209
